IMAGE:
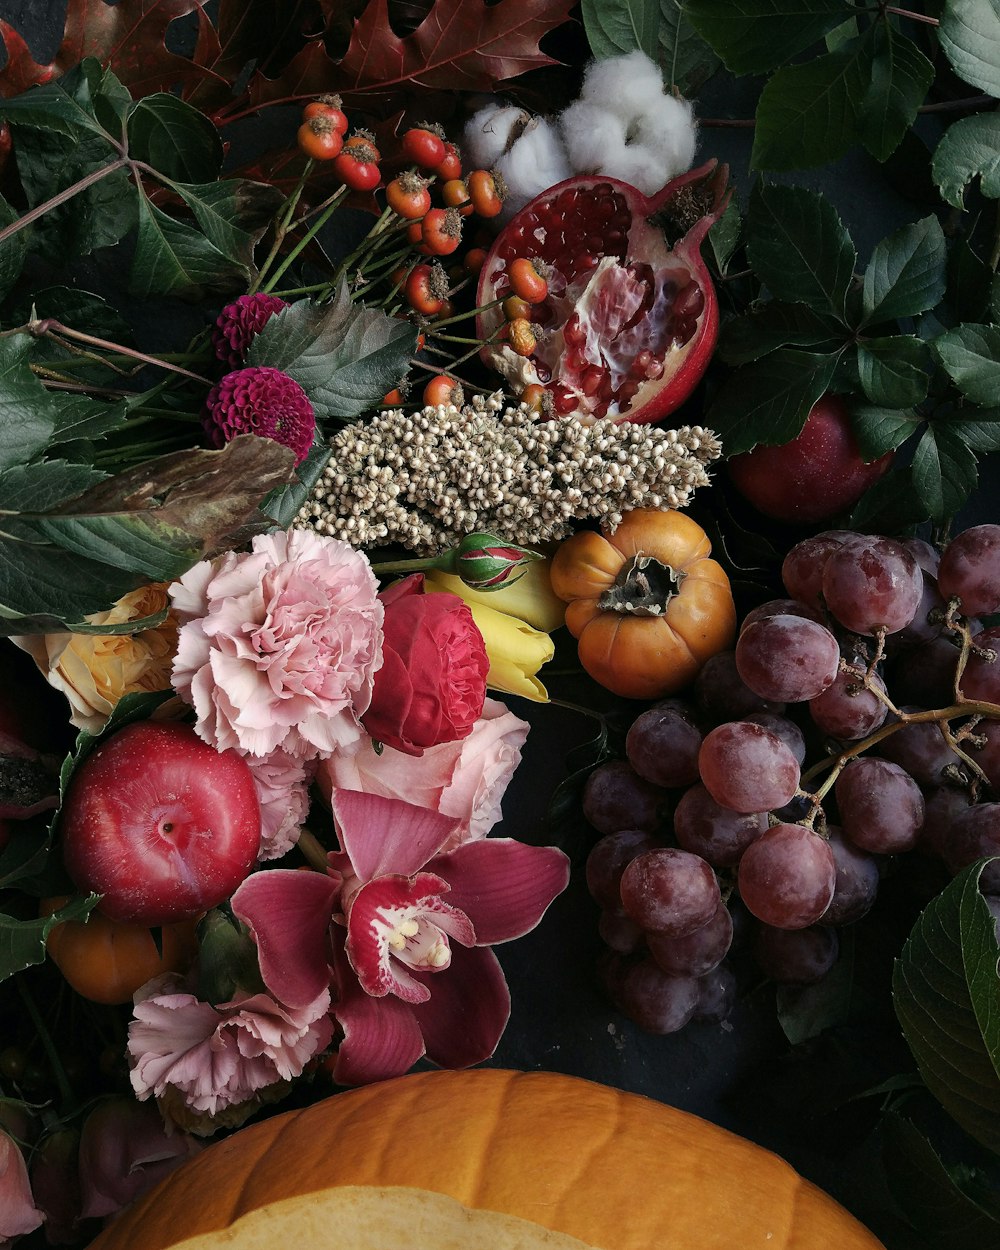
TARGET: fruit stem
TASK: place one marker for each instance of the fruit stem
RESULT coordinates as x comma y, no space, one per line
304,242
313,851
281,228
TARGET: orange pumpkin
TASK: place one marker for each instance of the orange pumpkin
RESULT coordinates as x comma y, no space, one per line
106,960
646,604
486,1160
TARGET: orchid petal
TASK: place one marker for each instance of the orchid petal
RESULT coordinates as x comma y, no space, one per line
503,886
467,1012
381,1035
397,924
289,915
387,836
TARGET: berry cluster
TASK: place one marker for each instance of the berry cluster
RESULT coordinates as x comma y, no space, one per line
856,720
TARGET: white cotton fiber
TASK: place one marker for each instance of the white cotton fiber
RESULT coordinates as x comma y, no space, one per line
624,84
489,132
591,135
536,162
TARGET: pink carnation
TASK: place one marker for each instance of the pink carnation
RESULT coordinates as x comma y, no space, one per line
261,401
239,324
282,783
465,779
278,648
218,1057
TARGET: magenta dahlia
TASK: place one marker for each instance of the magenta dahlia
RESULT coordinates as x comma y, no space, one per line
239,323
262,401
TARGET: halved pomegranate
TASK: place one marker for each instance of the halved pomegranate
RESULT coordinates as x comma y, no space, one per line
629,323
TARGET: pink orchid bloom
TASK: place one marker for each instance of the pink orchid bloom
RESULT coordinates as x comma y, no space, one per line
403,929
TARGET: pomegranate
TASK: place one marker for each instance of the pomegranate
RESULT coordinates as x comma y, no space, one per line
629,323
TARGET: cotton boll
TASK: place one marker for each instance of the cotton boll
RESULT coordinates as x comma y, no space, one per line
536,162
624,84
592,135
667,130
490,132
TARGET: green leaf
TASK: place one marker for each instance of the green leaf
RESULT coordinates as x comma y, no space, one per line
162,516
768,402
889,506
64,107
687,60
233,215
969,148
944,989
979,433
22,942
970,355
26,411
753,36
81,310
894,371
799,247
78,417
172,258
901,76
617,26
283,505
12,251
774,325
969,35
970,283
906,274
344,356
99,216
878,430
944,471
808,114
930,1194
724,235
174,138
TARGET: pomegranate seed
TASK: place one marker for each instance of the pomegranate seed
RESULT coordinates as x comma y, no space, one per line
641,363
574,333
591,379
655,369
564,400
690,302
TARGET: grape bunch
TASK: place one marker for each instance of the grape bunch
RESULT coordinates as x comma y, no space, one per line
855,721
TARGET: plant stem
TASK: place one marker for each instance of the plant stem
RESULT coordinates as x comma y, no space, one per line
313,850
45,1037
281,228
908,13
306,239
50,327
62,197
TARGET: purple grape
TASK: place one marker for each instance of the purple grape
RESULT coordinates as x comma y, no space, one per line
970,570
650,997
620,933
669,891
747,768
608,859
921,750
849,710
974,834
802,569
857,881
697,952
872,585
716,996
787,730
716,833
981,679
781,607
881,807
787,658
662,745
723,695
615,797
787,877
796,957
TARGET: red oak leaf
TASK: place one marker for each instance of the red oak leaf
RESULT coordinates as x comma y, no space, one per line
128,36
460,45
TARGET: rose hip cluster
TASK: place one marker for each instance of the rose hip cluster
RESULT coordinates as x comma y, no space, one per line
856,720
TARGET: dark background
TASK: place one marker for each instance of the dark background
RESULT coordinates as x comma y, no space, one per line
741,1074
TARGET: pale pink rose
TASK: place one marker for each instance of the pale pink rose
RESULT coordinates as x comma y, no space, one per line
217,1057
125,1149
278,648
465,780
282,783
18,1213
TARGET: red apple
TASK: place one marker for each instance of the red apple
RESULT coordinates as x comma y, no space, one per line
814,477
160,823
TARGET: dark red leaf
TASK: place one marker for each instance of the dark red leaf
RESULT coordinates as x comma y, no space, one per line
128,36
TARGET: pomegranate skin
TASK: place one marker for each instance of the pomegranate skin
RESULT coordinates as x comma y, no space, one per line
684,348
816,476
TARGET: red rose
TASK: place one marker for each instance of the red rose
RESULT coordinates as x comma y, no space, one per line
432,683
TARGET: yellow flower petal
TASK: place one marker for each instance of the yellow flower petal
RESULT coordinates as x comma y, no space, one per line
531,598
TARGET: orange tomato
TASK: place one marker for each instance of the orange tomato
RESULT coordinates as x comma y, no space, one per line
645,603
107,960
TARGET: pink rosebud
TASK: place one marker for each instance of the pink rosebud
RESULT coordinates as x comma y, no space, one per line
124,1151
239,324
432,683
261,401
18,1213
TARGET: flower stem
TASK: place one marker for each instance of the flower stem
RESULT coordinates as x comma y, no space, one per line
67,194
281,228
306,239
313,850
55,329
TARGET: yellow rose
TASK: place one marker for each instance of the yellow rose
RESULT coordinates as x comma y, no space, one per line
531,598
95,670
516,650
